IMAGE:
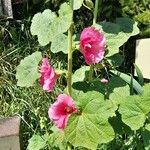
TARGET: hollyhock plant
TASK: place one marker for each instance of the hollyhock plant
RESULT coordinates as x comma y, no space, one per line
60,111
48,75
92,45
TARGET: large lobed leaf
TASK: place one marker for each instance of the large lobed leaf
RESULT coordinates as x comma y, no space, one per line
27,71
80,74
57,139
134,109
91,127
62,23
77,4
37,142
48,25
118,33
115,86
40,26
59,44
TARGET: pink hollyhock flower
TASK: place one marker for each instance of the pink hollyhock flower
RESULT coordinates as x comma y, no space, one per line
105,81
92,45
60,111
48,75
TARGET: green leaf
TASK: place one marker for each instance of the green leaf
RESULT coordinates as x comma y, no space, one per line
41,24
80,74
146,137
119,94
147,89
27,71
118,126
91,127
62,23
77,4
48,26
114,37
128,26
36,143
134,110
139,74
59,43
96,85
115,60
92,86
89,4
118,33
127,79
57,139
109,27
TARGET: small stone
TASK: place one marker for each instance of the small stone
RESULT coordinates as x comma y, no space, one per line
9,133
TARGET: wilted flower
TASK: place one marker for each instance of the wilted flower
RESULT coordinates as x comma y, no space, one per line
92,45
48,75
60,111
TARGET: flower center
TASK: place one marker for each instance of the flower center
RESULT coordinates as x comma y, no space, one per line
68,109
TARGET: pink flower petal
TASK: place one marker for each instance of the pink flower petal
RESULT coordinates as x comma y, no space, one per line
60,111
48,75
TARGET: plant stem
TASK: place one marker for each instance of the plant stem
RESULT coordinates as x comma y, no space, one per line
94,22
91,72
70,34
95,11
70,49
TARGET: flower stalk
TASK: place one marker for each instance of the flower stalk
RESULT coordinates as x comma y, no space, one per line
95,12
70,49
94,22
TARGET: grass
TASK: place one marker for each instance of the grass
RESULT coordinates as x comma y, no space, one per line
30,104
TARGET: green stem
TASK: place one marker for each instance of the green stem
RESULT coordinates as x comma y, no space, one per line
91,72
95,11
70,49
94,22
70,34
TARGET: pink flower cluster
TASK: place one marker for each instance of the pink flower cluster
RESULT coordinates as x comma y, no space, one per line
92,45
60,111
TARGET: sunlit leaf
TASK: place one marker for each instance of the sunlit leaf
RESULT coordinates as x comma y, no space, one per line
59,43
27,71
80,74
118,33
91,127
47,25
77,4
37,142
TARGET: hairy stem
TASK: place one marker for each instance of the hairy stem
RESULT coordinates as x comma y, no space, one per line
69,78
94,22
95,11
70,34
91,72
